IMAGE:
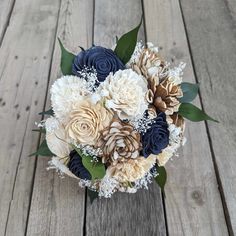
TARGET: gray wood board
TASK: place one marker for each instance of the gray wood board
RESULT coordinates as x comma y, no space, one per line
192,192
25,61
58,204
212,37
6,7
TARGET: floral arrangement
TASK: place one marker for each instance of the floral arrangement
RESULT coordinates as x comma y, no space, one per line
117,116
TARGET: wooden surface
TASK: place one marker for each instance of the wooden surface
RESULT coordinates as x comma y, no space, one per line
25,54
57,206
201,188
213,46
191,191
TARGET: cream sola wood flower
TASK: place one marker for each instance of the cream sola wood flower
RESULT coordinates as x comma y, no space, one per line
59,145
86,120
56,138
124,92
132,169
65,93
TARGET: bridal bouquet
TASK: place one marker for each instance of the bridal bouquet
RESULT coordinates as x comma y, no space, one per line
117,116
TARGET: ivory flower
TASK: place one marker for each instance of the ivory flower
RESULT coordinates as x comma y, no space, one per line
124,93
132,169
86,121
56,138
164,156
65,93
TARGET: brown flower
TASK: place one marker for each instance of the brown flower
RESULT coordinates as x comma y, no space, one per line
119,142
165,97
87,121
150,65
152,112
177,120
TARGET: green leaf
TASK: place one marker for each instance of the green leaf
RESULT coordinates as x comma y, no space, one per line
161,177
189,92
126,44
92,195
43,150
67,59
41,130
96,169
48,112
193,113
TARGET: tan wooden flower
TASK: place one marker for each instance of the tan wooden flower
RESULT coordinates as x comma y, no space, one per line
152,112
177,120
165,97
87,121
119,142
150,65
132,169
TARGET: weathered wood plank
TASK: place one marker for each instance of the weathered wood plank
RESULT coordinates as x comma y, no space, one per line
193,203
25,60
6,7
58,204
123,214
212,35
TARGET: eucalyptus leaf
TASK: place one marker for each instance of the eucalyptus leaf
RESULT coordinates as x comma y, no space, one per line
161,177
43,150
96,169
190,92
126,44
48,112
67,59
193,113
92,195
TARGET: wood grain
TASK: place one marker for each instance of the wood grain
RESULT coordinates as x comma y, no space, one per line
6,7
58,204
191,193
212,36
123,214
25,60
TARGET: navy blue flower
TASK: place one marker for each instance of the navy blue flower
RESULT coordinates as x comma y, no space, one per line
157,136
75,165
102,59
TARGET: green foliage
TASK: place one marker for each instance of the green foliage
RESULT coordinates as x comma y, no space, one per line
189,92
43,150
161,177
193,113
48,112
67,59
126,44
96,169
